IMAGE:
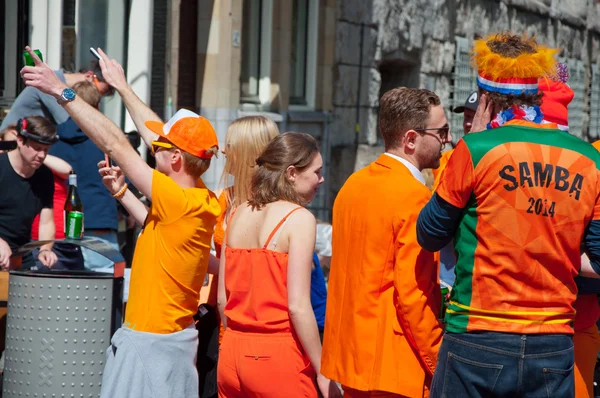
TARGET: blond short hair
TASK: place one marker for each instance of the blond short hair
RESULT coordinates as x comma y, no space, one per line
196,166
88,92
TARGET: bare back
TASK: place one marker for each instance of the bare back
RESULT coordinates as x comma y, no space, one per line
250,229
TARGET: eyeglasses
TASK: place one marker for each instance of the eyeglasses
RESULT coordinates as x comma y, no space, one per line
442,131
156,145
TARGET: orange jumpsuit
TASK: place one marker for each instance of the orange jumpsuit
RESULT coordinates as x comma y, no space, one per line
260,354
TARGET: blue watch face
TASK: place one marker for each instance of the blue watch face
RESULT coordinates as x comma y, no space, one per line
69,94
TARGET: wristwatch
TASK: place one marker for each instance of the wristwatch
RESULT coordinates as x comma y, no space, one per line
68,95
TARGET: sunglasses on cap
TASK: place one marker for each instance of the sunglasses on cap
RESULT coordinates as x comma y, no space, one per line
156,145
442,131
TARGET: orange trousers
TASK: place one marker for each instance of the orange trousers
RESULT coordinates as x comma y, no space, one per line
586,343
352,393
269,365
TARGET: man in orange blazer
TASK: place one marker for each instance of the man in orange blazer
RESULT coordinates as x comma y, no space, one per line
382,333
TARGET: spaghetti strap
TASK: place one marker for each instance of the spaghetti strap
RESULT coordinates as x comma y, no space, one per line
283,220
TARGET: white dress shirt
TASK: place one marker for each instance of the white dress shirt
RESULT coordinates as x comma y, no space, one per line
411,167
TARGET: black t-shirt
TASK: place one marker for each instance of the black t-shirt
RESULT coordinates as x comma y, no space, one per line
21,199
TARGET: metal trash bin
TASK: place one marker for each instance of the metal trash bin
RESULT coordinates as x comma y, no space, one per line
59,326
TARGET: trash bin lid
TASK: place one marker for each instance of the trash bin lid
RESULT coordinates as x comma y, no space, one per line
71,274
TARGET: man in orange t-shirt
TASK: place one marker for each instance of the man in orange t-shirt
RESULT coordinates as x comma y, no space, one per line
154,353
382,332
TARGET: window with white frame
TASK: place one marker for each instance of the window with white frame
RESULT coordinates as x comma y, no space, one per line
577,84
250,73
303,56
464,84
594,132
256,51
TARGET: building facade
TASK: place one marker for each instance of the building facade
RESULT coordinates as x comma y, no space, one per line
317,66
381,44
220,58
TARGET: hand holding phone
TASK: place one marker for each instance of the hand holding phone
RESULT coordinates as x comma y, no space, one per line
95,53
107,160
112,71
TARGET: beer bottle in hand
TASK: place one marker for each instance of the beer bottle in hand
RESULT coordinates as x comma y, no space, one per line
73,210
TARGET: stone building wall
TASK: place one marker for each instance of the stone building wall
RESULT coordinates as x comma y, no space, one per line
381,44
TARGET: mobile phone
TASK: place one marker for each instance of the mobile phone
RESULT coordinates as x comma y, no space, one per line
107,160
28,61
95,53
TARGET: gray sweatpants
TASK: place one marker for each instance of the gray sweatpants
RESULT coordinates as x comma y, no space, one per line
150,365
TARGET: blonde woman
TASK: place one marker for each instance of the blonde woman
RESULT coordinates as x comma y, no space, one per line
245,140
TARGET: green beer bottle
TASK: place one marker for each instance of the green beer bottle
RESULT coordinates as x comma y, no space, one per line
73,210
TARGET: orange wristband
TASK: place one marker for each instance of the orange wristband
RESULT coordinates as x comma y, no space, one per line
121,192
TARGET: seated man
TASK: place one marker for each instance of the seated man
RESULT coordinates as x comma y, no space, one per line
27,190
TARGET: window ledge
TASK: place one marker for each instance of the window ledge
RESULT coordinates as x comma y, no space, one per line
308,116
276,117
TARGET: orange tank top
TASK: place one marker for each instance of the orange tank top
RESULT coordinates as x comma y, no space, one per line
256,287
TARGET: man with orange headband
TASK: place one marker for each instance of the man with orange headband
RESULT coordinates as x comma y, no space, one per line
519,198
154,353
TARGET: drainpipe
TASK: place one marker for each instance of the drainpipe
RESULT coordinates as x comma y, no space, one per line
360,61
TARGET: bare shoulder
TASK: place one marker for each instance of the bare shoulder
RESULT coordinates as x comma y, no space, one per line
303,218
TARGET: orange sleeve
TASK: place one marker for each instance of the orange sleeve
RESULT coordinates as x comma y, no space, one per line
219,230
596,215
418,295
457,180
437,173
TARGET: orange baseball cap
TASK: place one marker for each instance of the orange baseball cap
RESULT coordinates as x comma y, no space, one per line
189,132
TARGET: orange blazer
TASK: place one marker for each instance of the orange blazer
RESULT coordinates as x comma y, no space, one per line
382,330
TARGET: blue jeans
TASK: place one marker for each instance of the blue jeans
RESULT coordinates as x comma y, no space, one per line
489,364
93,260
70,257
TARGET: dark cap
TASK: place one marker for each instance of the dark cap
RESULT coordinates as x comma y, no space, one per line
471,103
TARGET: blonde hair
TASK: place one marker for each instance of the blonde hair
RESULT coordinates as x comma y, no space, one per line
246,138
88,92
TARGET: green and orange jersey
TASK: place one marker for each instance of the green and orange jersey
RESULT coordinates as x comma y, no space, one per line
527,191
437,173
